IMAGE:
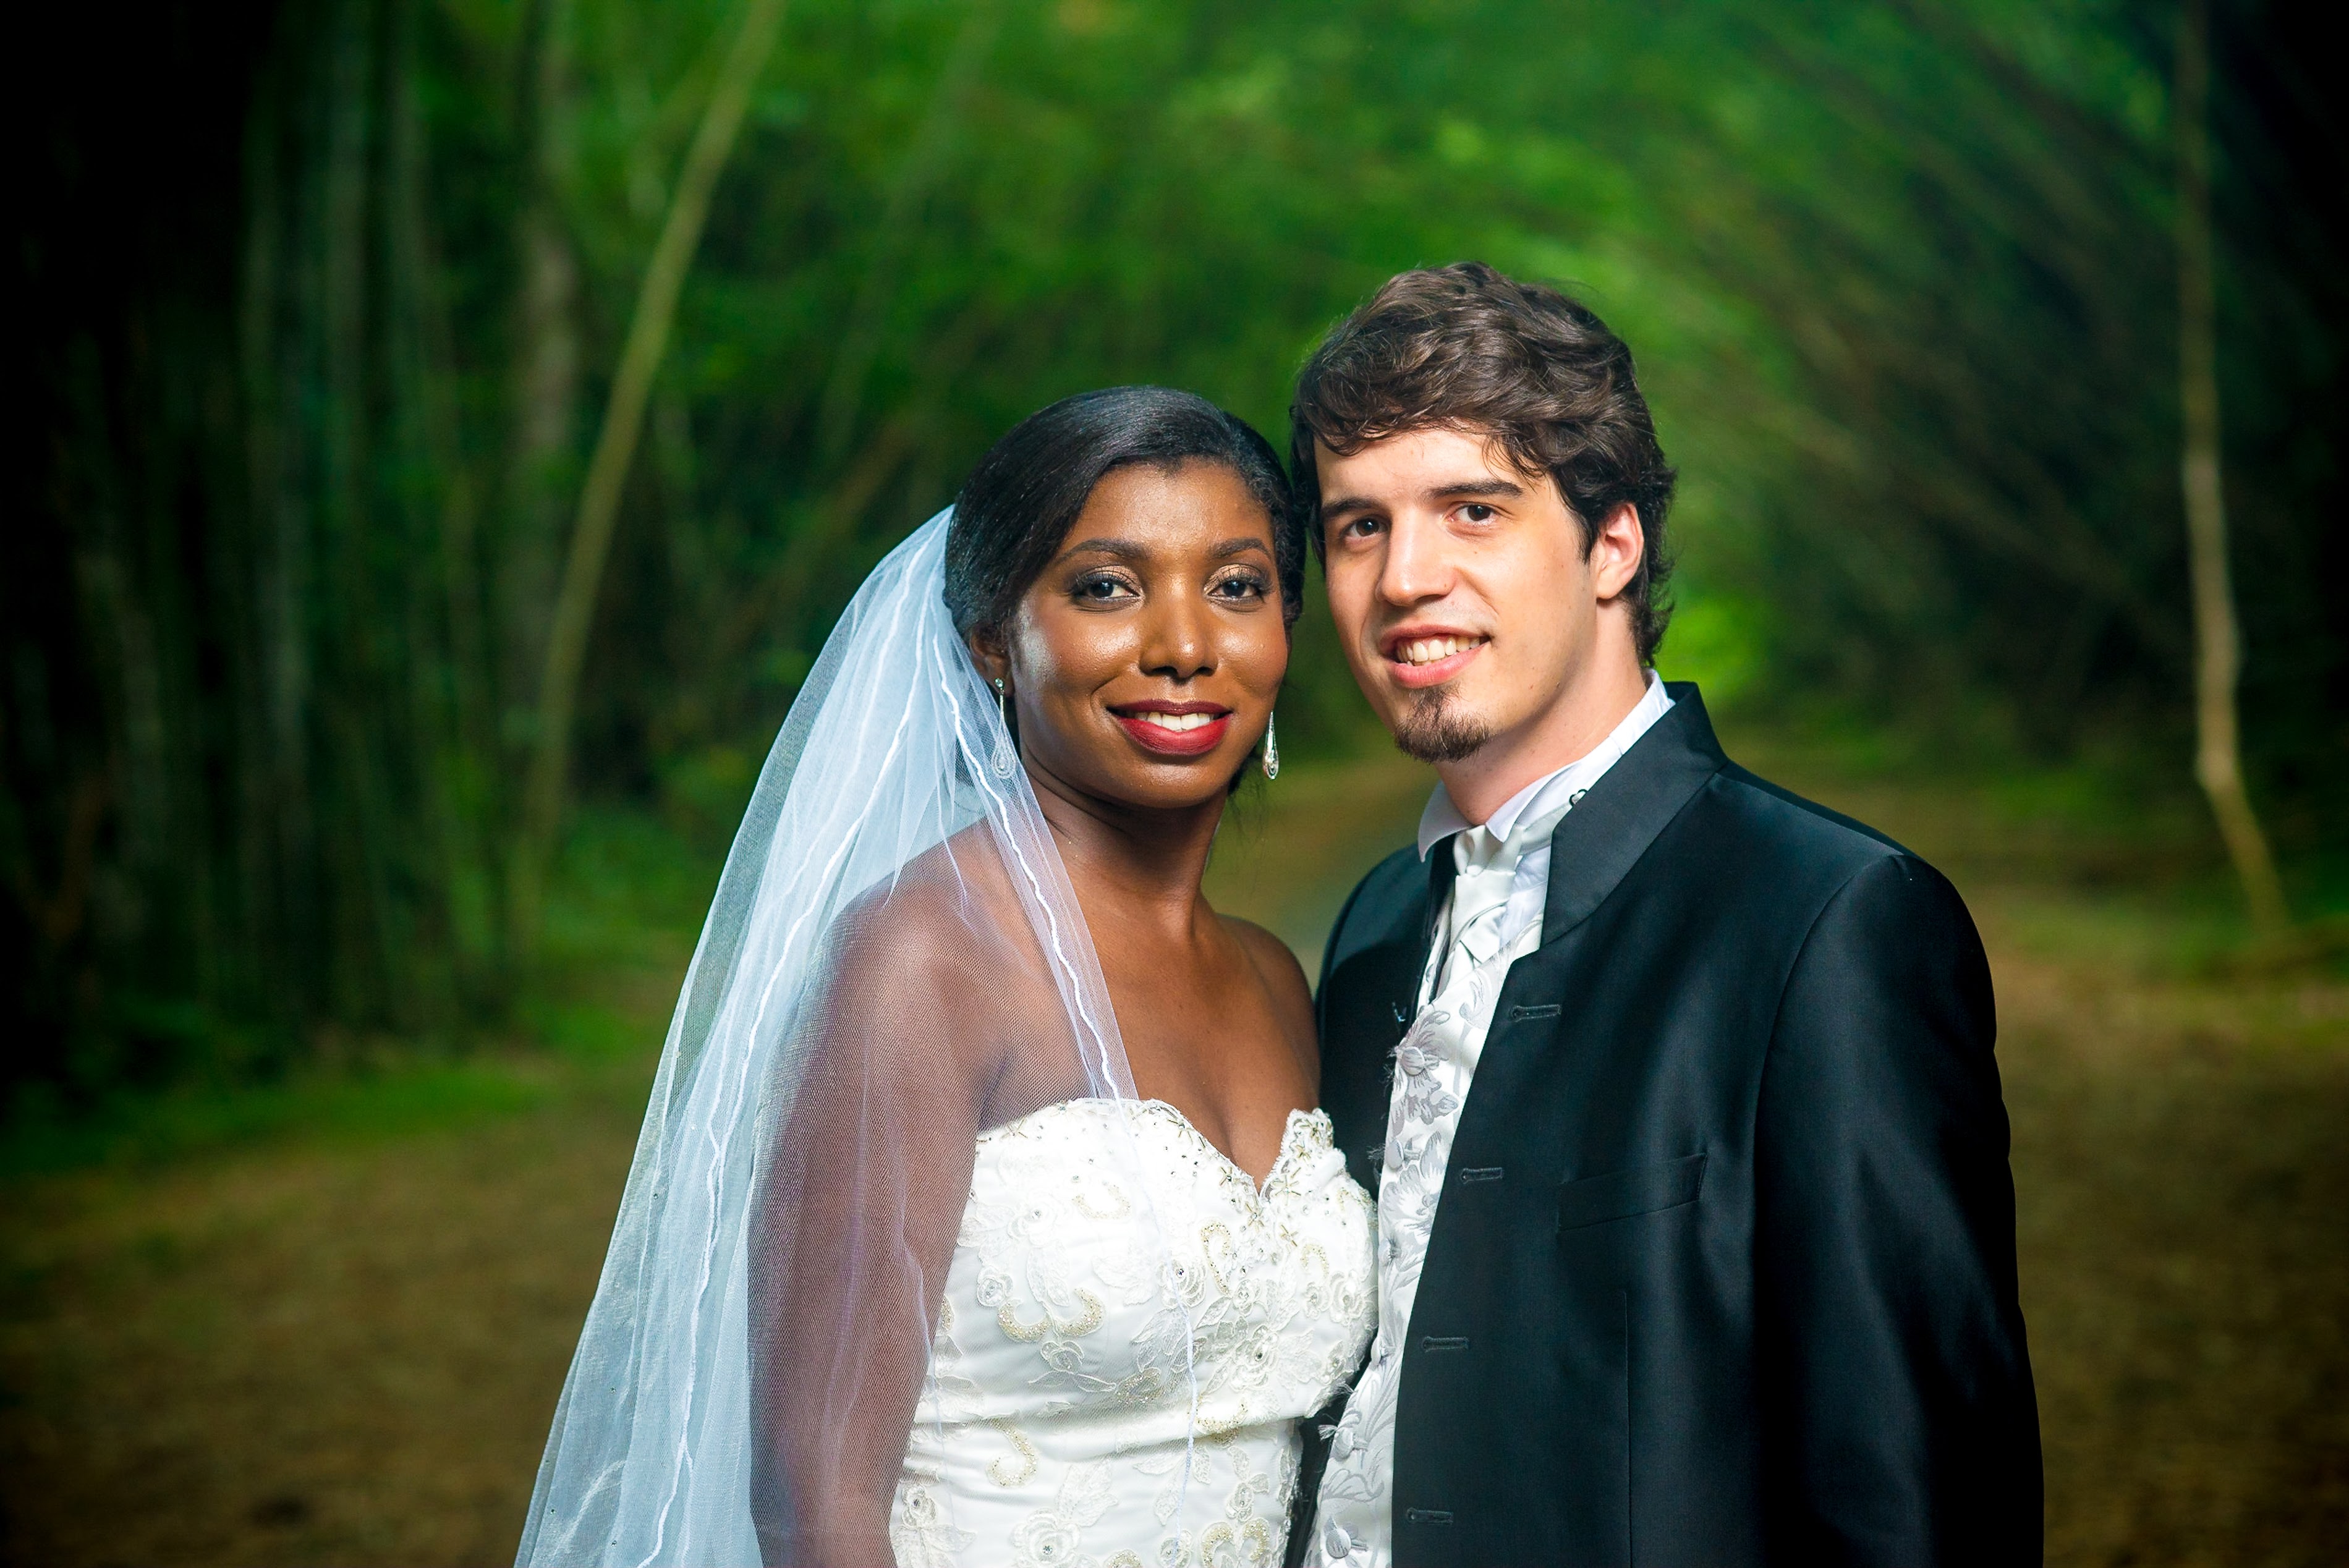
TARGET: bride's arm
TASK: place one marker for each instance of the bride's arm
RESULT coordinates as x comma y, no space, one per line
865,1182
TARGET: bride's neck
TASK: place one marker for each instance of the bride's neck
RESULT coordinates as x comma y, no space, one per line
1143,858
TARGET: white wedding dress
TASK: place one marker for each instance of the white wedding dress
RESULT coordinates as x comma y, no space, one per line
1126,1331
1080,1320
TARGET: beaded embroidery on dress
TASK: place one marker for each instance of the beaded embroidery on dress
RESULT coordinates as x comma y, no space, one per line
1057,1427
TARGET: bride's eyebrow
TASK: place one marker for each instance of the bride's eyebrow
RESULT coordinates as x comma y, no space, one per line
1124,550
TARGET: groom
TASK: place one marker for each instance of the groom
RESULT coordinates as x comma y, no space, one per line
1696,1235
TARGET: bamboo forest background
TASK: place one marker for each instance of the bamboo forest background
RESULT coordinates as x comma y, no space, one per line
319,304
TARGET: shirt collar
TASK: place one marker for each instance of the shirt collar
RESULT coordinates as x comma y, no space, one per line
1545,794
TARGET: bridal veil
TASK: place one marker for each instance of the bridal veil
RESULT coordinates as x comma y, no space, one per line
893,962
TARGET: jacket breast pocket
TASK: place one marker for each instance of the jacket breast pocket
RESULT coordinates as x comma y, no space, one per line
1637,1189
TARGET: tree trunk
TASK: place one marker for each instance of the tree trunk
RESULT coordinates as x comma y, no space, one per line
545,367
616,446
278,285
2217,643
454,751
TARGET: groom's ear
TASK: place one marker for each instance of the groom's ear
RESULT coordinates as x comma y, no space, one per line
1615,549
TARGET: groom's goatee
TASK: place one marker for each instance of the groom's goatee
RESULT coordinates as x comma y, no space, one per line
1434,729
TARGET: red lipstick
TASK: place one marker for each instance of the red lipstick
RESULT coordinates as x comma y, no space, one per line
1167,741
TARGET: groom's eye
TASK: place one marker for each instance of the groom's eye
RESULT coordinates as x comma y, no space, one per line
1477,511
1359,527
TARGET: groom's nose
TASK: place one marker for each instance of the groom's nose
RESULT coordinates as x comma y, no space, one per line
1417,567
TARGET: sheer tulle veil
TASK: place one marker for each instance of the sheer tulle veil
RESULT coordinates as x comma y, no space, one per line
894,961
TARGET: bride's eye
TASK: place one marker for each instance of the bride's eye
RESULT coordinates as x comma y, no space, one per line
1244,586
1102,588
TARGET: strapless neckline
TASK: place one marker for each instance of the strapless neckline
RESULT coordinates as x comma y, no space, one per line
1296,1141
1292,1147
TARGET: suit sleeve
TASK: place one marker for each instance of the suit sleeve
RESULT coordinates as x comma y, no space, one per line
1330,961
1897,1397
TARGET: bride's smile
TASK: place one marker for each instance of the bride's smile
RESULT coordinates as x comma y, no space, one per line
1175,728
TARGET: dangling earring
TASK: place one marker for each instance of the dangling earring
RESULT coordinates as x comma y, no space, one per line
1272,746
1002,761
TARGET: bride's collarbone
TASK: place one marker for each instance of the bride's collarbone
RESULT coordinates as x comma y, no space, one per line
1231,1076
1206,1033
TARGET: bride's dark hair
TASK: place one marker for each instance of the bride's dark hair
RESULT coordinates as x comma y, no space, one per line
1026,493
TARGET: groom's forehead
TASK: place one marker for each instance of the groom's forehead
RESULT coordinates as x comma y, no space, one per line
1436,464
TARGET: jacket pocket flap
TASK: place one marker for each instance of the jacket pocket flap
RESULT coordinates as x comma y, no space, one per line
1619,1195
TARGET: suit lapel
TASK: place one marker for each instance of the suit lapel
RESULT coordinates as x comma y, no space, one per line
1594,848
1599,842
1442,870
1366,1003
1369,997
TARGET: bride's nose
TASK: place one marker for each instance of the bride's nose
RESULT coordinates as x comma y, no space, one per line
1175,639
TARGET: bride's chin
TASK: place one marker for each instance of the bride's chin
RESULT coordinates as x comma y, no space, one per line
1165,784
1184,794
1118,779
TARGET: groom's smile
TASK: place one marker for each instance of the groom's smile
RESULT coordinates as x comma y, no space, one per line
1428,656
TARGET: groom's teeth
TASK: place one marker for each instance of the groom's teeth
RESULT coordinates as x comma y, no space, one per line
1177,720
1427,650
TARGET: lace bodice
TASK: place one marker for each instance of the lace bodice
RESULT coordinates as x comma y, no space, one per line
1078,1315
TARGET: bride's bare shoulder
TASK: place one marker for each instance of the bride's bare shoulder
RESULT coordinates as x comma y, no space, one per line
944,921
1284,986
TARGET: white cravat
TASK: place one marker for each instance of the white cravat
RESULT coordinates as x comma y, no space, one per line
1492,920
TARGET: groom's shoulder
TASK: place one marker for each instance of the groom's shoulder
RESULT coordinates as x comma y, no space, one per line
1402,877
1758,806
1387,899
1795,848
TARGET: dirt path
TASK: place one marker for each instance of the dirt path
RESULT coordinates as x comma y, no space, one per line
340,1350
2183,1180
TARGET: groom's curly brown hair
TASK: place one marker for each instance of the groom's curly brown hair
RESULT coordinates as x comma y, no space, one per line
1464,347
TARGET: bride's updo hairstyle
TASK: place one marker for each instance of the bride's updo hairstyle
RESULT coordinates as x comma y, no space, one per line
1021,501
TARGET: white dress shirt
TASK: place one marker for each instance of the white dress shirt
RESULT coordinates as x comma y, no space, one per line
1492,920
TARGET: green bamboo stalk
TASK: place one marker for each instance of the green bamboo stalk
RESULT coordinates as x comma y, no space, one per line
545,365
616,448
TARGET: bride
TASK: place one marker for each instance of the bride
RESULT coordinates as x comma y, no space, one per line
980,1215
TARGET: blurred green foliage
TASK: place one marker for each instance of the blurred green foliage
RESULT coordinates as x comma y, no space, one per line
322,297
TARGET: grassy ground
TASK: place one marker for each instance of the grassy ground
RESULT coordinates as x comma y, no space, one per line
326,1323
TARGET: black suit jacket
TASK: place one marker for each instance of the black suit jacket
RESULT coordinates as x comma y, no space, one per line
1724,1269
